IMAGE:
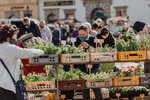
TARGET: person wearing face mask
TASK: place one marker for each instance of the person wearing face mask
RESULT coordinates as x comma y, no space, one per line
86,41
46,33
97,26
28,26
107,37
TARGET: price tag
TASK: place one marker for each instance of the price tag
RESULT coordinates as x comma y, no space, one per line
142,96
63,42
101,41
90,66
118,95
71,66
73,40
92,95
63,96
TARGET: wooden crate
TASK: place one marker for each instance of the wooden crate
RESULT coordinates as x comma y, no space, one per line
148,55
39,86
103,57
105,95
132,56
139,98
97,83
44,59
72,84
75,58
121,99
147,74
39,96
145,80
126,81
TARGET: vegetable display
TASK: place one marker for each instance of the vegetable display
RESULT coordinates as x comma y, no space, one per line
48,48
101,75
131,45
33,77
129,89
102,50
67,49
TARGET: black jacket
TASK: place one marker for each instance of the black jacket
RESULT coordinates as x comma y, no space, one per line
33,28
90,41
109,41
82,67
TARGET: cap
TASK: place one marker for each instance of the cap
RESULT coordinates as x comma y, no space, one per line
88,25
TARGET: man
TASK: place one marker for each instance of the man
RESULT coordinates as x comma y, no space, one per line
56,35
46,33
28,26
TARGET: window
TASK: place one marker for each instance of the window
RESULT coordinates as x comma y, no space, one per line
59,3
121,11
12,14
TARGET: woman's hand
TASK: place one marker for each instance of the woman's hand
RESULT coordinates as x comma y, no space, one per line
85,45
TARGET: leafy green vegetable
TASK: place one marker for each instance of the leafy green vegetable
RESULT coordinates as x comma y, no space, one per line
101,75
101,49
33,77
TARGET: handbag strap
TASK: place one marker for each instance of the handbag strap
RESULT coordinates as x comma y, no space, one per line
8,71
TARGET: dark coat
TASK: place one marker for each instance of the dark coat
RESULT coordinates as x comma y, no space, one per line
33,28
83,67
90,41
56,35
109,41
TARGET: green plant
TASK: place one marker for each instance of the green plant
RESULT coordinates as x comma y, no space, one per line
130,45
101,49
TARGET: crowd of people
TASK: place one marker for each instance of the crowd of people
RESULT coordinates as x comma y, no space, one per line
96,34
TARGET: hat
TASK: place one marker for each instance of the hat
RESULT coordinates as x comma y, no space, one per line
83,26
88,25
138,26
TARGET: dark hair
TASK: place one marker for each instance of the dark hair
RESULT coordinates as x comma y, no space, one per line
104,31
25,19
83,27
14,27
95,25
6,32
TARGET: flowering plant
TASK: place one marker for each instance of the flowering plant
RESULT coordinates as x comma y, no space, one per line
130,70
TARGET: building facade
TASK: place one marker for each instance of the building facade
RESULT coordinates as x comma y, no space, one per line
18,8
137,10
97,9
53,10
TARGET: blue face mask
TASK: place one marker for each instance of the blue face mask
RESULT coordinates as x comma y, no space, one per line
83,38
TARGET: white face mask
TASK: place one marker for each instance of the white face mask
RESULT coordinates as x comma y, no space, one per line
104,36
27,26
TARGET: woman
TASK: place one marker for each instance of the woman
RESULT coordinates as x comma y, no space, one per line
107,37
11,55
13,40
86,41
